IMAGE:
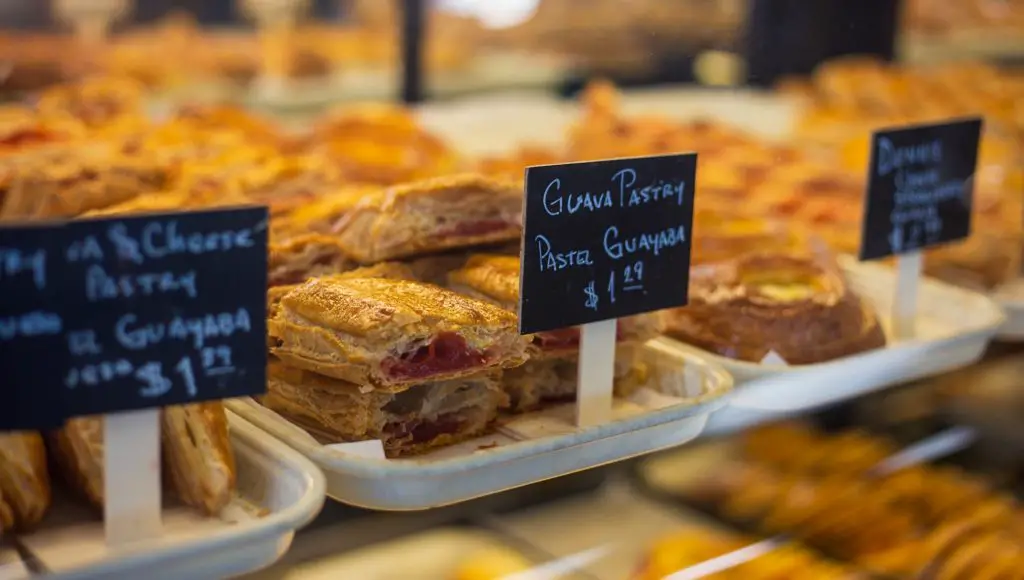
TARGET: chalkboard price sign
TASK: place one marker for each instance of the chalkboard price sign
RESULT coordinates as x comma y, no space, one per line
138,312
605,239
920,187
32,353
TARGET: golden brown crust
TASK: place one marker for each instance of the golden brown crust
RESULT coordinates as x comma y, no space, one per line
350,328
433,215
198,457
77,450
791,305
492,276
24,480
67,181
410,421
298,259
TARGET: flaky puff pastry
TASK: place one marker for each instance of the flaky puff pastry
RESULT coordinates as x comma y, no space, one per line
197,457
24,480
68,180
494,278
390,333
410,421
422,217
300,258
793,305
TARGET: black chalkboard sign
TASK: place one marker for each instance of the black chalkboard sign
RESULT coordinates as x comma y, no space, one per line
605,239
920,187
154,310
32,353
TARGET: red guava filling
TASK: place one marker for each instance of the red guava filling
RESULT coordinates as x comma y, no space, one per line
564,338
420,431
448,352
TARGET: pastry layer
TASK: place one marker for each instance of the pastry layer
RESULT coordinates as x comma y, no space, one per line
298,259
416,419
429,216
553,379
390,333
24,480
794,306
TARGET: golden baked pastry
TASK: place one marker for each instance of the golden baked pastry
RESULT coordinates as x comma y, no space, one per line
298,259
409,421
491,564
198,458
391,333
320,214
380,144
65,181
24,480
791,305
77,451
197,455
684,549
429,216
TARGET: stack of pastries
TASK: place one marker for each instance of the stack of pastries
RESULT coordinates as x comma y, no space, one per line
198,463
822,489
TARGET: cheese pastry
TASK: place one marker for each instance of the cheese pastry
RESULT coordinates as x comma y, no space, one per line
413,420
390,333
197,457
792,305
24,480
429,216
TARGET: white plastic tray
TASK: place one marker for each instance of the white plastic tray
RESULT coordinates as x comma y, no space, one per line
434,555
953,326
1011,298
279,492
527,448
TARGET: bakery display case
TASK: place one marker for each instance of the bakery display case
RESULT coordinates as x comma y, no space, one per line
402,426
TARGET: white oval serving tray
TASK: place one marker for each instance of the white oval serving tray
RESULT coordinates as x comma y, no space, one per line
525,449
954,327
1011,298
279,491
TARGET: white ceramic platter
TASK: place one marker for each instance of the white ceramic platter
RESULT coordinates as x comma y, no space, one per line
525,449
279,492
954,326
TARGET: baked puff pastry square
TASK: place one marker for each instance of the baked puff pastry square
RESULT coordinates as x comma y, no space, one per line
24,480
796,306
298,259
421,417
389,333
432,215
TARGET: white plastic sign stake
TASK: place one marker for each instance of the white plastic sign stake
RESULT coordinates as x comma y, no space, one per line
131,482
91,19
904,304
562,567
595,373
